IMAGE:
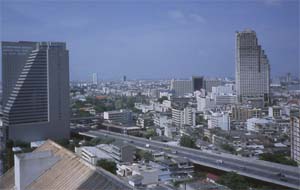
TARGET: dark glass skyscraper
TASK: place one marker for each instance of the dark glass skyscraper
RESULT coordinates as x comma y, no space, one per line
198,83
35,77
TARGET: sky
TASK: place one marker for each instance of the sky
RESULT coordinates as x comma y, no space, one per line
151,39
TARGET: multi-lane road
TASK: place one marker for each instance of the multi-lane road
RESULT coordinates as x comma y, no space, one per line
279,174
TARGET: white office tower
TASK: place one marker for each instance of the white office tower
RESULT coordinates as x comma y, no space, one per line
224,95
181,87
186,116
205,103
95,78
295,138
35,78
252,70
219,120
222,90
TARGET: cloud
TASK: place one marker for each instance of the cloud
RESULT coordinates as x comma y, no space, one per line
183,17
197,18
176,14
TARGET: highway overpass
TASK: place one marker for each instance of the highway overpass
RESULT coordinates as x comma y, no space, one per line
287,176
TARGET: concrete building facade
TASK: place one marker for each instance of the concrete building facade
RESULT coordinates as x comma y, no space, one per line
185,116
181,87
35,79
295,138
118,116
252,70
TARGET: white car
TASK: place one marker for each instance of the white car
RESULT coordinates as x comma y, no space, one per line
147,145
219,161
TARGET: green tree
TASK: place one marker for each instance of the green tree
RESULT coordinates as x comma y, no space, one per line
8,155
277,158
187,141
119,104
233,181
200,120
108,165
228,148
143,155
96,141
66,143
150,133
205,138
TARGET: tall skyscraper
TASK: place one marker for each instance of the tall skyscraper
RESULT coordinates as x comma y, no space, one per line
95,79
198,83
209,83
252,69
181,87
35,78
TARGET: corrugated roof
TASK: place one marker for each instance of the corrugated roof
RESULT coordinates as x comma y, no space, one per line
70,172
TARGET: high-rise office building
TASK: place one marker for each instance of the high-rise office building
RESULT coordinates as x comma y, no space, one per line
35,77
181,87
252,69
210,83
124,78
95,78
198,83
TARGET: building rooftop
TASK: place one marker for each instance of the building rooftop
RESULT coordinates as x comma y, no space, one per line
69,172
97,152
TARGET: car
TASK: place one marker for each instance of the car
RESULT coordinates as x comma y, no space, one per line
279,174
174,151
244,168
283,179
219,161
131,141
147,145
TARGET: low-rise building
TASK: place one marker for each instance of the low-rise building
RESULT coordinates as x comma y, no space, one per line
264,126
205,103
162,119
155,172
185,116
122,152
176,168
275,112
92,154
144,121
169,131
225,99
295,138
219,120
242,113
51,166
118,116
123,129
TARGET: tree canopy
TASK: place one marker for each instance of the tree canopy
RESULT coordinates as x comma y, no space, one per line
108,165
278,158
233,181
187,141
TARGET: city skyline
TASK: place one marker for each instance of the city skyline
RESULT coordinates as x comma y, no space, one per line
149,94
144,40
